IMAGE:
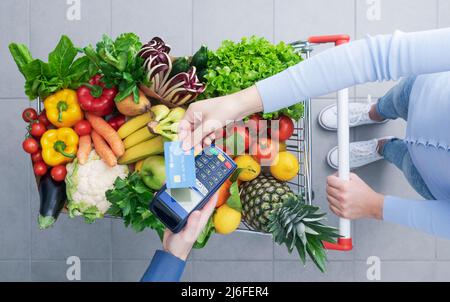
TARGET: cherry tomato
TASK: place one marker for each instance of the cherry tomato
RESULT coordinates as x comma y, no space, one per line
117,121
37,129
36,157
285,129
30,145
264,149
58,173
82,127
40,168
29,115
43,119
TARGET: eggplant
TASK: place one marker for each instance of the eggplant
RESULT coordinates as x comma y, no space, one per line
53,197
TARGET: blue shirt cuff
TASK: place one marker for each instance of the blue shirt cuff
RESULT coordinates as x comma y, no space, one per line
394,211
164,267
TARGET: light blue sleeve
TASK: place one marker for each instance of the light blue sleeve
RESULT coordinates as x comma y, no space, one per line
431,216
378,58
164,267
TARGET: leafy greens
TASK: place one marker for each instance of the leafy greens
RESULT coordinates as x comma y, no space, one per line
130,200
236,66
63,69
119,64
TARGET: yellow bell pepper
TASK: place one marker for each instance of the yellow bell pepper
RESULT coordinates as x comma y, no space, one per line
59,146
62,108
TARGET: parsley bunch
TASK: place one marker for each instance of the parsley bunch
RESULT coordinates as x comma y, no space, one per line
130,199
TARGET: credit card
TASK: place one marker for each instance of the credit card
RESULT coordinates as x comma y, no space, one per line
180,166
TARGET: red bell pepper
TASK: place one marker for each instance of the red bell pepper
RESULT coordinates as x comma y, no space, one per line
96,98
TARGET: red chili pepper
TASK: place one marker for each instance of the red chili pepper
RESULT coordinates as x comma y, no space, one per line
96,98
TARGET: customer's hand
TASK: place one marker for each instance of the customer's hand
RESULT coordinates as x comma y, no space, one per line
203,118
180,244
353,199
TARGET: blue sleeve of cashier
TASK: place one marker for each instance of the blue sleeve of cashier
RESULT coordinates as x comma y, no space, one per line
164,267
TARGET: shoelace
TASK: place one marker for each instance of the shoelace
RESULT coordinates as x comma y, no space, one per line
362,150
355,112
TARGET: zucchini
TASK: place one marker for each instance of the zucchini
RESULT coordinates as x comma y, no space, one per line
200,58
180,65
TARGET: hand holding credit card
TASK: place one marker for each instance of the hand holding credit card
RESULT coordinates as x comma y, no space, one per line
180,166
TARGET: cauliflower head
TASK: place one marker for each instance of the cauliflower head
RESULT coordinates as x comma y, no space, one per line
86,186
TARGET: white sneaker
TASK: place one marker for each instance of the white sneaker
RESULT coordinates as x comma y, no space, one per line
361,153
358,115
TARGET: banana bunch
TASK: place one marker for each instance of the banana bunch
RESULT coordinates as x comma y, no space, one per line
144,134
139,142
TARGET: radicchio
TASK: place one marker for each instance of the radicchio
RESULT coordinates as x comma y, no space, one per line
180,89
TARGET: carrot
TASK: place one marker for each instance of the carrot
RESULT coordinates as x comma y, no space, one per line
103,150
84,148
107,132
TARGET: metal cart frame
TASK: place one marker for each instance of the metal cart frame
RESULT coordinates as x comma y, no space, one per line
301,144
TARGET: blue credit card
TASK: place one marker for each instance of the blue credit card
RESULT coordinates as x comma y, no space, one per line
180,166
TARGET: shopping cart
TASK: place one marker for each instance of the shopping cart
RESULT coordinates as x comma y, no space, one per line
301,144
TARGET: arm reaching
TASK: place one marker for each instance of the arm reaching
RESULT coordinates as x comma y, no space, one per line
378,58
168,265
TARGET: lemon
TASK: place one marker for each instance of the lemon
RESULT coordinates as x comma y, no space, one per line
226,219
250,167
285,166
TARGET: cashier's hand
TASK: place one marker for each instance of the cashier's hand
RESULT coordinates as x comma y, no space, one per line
353,199
202,119
180,244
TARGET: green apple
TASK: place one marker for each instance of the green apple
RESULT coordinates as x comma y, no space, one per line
153,172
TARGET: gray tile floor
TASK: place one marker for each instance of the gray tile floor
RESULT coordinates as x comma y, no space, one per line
107,250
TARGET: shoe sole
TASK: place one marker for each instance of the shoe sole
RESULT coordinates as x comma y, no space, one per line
329,158
319,120
337,167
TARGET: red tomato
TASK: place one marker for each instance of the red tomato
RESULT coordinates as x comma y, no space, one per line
253,122
40,168
237,140
117,121
285,130
264,149
36,157
37,129
29,115
30,145
83,127
58,173
43,119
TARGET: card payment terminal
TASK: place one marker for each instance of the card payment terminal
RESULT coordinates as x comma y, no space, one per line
173,206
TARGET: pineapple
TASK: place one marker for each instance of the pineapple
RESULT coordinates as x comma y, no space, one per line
269,205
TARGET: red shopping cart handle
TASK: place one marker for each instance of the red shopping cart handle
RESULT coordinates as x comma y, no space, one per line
343,244
336,39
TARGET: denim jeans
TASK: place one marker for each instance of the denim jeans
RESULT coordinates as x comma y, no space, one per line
393,105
